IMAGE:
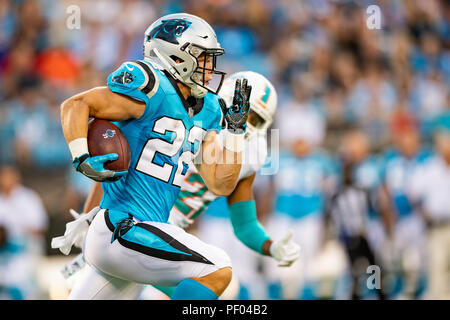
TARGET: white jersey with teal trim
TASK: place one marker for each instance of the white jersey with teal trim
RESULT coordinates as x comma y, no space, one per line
163,141
194,197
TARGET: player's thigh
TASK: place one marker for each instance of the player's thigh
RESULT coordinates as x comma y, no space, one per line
150,252
219,232
95,285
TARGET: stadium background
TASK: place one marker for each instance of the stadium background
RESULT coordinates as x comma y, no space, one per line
320,55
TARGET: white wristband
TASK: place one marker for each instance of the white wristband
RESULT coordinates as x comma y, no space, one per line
233,142
78,147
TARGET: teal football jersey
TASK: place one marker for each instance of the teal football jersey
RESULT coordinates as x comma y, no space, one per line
162,141
300,183
397,174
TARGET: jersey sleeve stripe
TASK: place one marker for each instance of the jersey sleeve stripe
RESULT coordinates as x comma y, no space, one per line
151,85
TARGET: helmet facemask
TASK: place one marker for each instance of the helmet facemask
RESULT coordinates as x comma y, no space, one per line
205,77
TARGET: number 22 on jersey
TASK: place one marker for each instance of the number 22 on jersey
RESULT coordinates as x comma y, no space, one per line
146,162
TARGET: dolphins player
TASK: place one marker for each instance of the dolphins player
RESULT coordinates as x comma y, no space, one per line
167,106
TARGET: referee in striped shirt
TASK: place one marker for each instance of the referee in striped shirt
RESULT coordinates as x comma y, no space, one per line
346,216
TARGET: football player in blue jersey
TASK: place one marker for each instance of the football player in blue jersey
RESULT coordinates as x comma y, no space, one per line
167,107
194,197
406,157
306,175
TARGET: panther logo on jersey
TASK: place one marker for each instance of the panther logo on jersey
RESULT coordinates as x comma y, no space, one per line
123,78
170,30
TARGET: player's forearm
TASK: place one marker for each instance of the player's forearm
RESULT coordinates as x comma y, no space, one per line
228,166
74,118
222,178
99,102
219,167
247,228
226,172
244,193
94,197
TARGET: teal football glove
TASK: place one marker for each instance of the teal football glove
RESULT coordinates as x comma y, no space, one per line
93,167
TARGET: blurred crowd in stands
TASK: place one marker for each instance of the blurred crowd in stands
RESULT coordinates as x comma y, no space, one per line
360,107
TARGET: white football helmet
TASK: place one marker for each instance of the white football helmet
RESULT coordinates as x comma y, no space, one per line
263,100
177,40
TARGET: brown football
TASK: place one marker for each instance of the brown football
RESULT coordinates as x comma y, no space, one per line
105,137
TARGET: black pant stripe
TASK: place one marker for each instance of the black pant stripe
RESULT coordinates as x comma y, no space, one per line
190,255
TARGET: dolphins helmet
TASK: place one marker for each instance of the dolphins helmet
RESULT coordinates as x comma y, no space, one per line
263,100
177,40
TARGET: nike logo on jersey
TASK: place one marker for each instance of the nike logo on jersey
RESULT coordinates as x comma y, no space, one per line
129,68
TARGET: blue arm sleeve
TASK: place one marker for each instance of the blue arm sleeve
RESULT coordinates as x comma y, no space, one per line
246,226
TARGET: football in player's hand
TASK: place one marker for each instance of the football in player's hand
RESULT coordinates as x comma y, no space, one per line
105,137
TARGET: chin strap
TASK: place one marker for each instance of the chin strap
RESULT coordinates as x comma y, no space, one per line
196,90
166,65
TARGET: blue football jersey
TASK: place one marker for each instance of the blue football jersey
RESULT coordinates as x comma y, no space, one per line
397,173
162,141
300,183
368,173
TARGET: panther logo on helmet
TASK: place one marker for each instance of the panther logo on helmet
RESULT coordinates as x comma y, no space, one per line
177,42
170,30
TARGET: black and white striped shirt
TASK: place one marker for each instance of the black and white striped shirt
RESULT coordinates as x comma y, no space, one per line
349,209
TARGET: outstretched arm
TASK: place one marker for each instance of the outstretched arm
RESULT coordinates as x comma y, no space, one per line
246,226
221,154
250,232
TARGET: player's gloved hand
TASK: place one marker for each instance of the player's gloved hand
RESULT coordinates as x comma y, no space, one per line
178,219
236,115
285,251
78,238
75,231
93,167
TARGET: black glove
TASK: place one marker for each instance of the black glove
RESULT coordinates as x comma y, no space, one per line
236,115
